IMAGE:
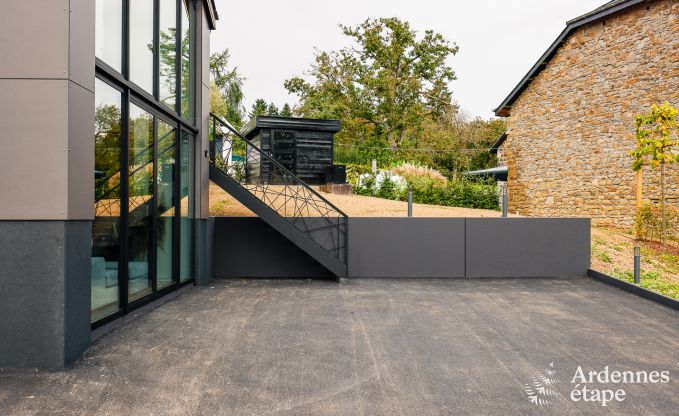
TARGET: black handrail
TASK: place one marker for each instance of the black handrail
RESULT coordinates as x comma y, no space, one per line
306,199
277,163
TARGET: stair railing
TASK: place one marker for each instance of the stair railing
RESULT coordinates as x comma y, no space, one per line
278,188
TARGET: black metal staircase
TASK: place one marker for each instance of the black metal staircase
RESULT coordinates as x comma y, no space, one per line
277,196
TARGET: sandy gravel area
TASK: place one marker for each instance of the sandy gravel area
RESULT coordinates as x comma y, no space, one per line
222,204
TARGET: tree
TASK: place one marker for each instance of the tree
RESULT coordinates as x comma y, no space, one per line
657,140
272,110
385,87
286,111
226,89
259,108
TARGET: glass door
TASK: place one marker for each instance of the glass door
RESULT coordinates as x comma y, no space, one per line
165,204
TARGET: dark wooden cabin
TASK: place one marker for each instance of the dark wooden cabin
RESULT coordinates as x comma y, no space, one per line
303,145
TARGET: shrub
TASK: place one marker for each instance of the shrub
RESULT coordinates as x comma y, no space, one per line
414,174
354,171
649,221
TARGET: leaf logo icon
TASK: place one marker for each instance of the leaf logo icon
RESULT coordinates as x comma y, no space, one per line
540,392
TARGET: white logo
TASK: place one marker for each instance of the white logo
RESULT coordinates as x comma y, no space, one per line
600,386
540,391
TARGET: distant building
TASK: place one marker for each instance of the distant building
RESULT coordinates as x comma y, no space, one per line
570,121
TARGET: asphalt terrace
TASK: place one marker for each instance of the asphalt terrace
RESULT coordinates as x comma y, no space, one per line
374,347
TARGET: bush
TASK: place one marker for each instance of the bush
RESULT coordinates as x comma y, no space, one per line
416,174
354,171
649,221
464,192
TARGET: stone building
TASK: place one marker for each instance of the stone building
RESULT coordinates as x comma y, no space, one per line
570,120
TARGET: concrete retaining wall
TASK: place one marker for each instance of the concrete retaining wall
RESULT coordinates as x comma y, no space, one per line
414,247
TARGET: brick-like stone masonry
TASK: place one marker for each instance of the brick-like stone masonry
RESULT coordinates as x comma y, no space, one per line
571,130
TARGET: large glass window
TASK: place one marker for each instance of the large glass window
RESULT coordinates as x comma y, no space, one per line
168,53
186,62
109,32
186,207
142,234
140,202
142,44
107,194
167,136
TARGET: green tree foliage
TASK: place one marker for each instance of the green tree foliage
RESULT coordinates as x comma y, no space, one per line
286,111
657,134
259,108
226,89
383,88
272,110
391,91
107,150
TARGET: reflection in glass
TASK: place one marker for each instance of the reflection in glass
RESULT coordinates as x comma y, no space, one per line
186,64
106,224
141,43
168,53
186,208
140,202
165,202
109,32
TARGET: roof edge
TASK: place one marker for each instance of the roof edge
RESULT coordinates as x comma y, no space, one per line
503,110
290,123
212,15
494,148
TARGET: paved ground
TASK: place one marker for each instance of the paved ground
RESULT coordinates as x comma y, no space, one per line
410,347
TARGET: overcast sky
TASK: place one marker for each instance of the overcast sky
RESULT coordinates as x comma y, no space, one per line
499,40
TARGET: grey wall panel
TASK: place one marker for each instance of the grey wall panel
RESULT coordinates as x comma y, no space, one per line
202,162
34,39
81,43
248,247
406,247
527,247
80,153
204,249
44,296
34,158
77,288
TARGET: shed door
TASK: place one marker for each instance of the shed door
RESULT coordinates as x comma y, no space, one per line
284,148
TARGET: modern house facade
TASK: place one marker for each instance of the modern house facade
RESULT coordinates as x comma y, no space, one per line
109,149
571,119
104,119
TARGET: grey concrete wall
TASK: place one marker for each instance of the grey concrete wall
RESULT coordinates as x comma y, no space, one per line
527,247
414,248
406,247
44,293
248,247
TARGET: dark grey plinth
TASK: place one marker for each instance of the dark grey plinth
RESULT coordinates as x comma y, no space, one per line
203,251
527,247
44,292
248,247
406,247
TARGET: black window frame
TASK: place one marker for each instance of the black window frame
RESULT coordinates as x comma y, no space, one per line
133,94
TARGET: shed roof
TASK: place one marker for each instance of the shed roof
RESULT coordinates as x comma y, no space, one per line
615,6
290,123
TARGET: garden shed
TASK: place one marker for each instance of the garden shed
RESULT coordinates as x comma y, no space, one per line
303,145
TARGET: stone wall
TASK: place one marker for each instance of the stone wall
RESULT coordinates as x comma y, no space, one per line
570,132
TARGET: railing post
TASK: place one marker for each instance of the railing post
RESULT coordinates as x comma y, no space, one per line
410,201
